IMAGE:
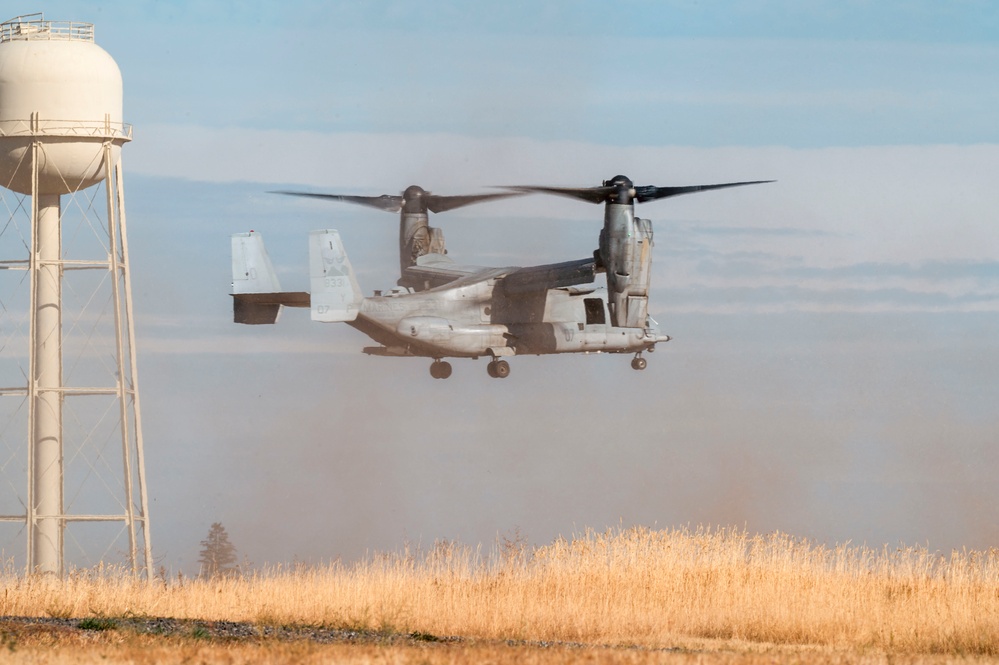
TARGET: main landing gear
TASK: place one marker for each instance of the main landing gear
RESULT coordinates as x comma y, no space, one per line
440,369
638,362
498,369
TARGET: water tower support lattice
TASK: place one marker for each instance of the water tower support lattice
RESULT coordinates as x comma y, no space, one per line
46,159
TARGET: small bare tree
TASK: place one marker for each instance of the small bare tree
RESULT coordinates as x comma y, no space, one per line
218,555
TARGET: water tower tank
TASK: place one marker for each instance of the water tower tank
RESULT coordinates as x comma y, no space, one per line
57,86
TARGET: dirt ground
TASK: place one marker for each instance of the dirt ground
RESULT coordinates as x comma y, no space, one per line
157,640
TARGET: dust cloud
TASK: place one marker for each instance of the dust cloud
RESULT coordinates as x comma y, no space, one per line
845,426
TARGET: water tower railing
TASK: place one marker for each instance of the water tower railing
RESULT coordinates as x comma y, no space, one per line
33,26
66,128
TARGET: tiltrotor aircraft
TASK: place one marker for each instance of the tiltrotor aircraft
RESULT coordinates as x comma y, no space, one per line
443,309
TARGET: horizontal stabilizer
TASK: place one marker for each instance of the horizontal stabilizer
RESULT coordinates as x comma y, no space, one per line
262,308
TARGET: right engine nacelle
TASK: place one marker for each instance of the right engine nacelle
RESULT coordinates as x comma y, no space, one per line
626,254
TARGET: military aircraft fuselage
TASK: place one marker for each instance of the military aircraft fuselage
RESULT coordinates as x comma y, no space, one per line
479,319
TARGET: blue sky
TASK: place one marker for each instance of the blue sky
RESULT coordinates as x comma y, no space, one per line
669,73
834,362
793,74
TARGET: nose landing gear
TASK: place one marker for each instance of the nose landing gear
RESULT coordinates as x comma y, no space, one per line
638,362
440,369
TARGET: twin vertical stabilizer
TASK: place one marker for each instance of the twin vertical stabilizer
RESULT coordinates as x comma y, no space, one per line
257,294
336,295
252,271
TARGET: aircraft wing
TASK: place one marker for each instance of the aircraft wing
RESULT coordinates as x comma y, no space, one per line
435,270
551,276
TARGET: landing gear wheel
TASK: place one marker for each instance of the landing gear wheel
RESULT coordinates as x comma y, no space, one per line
491,368
440,369
501,369
639,363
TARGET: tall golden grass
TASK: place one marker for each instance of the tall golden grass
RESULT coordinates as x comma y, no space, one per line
636,586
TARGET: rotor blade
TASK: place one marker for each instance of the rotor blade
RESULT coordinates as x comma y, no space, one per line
444,203
384,202
652,193
591,194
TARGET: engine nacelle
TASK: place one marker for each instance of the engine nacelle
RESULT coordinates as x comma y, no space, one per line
417,238
626,254
451,339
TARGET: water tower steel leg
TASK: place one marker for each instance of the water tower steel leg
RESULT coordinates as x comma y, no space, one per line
133,367
120,270
47,458
116,275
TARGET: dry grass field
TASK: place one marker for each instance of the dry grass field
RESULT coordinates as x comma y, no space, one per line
633,595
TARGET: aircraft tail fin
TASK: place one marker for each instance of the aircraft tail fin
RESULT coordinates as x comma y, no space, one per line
336,295
256,291
252,271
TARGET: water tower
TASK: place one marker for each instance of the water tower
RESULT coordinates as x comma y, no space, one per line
75,381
